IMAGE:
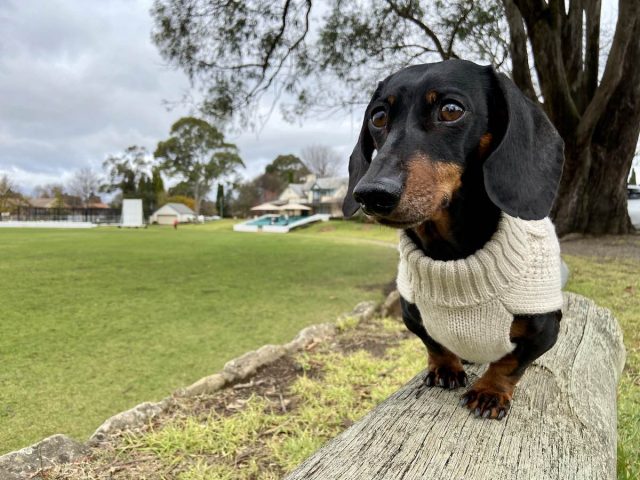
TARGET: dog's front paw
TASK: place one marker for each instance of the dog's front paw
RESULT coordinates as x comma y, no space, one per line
486,402
443,377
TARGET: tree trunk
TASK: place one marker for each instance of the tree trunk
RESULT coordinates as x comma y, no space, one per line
196,197
592,196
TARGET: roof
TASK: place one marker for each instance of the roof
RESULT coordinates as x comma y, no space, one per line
331,183
42,202
323,183
97,205
298,188
181,208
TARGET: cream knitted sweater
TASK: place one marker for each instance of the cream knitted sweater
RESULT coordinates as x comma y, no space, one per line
468,305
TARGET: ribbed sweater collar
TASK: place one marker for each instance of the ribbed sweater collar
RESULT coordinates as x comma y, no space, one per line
472,280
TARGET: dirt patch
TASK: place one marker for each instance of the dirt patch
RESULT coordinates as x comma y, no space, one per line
608,246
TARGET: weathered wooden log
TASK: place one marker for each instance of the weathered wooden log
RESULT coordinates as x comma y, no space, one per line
562,423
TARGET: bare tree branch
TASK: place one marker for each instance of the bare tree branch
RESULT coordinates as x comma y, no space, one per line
543,29
321,160
456,29
592,54
521,72
403,13
628,14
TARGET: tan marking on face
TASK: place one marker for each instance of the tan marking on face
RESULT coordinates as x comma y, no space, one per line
431,96
437,228
391,99
429,188
484,145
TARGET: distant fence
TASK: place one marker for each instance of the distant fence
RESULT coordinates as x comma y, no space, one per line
93,215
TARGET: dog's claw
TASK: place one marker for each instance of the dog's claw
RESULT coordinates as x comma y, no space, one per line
486,404
445,378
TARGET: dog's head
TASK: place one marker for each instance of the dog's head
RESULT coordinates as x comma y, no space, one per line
429,123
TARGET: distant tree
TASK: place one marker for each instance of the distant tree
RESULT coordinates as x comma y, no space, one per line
151,190
125,170
247,196
323,160
197,152
84,184
632,180
181,188
49,190
146,192
264,188
130,174
289,168
269,186
220,200
60,195
157,185
10,197
208,208
189,202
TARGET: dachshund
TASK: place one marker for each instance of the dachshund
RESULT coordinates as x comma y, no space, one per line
445,151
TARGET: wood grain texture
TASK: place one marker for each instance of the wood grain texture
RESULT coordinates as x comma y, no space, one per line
562,424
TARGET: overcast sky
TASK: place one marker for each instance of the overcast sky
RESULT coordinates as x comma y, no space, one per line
80,80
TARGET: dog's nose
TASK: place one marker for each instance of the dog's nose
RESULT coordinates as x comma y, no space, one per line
379,197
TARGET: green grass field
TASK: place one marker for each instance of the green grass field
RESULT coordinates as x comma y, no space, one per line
614,283
95,321
258,438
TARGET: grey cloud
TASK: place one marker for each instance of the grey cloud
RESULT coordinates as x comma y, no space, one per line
82,80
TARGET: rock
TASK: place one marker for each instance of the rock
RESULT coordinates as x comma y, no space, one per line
52,450
135,417
312,334
209,384
364,311
241,367
391,306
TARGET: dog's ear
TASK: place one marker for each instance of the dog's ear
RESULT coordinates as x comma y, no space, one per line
522,173
359,160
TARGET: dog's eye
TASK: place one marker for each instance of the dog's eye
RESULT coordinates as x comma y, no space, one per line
450,112
379,118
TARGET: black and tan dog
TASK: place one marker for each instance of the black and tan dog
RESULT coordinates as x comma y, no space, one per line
458,144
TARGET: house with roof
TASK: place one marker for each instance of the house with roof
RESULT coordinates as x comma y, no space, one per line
170,212
43,202
321,194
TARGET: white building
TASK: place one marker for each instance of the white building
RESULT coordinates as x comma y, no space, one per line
323,195
170,212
